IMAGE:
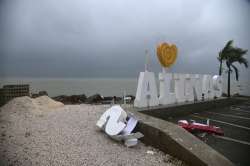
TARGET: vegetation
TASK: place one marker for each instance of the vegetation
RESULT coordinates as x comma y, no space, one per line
231,55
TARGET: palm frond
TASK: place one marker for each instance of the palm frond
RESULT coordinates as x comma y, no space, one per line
244,61
228,45
226,50
236,72
240,51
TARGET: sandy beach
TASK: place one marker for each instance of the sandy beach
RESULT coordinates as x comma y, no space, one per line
44,132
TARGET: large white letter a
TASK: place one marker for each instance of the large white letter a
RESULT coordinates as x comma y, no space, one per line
146,94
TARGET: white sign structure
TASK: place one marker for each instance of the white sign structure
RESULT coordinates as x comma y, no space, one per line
146,94
113,120
114,123
187,88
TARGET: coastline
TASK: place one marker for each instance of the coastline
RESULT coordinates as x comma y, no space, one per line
89,86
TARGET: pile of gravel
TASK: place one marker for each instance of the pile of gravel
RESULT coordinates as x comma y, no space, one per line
27,104
44,132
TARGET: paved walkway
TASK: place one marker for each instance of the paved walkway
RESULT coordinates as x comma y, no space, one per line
235,122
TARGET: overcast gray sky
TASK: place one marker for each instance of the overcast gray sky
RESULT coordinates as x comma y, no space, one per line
90,38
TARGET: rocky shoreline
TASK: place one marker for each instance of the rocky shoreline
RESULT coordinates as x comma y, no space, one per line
83,99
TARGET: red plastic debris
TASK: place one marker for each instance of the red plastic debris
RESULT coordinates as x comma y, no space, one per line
194,127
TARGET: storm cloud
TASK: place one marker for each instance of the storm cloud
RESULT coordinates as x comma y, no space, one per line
90,38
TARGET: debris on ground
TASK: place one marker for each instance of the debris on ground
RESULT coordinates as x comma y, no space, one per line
119,126
200,129
150,152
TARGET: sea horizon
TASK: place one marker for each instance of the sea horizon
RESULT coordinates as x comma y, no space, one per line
105,86
55,86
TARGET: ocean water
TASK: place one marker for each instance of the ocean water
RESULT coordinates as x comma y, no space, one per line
90,86
71,86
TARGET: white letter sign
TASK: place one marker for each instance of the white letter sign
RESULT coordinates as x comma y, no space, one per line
146,94
166,97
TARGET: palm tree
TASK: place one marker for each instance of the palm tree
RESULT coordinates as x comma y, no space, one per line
223,54
230,55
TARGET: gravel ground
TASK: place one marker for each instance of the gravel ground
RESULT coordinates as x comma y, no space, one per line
49,133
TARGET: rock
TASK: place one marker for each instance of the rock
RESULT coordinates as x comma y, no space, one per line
34,95
108,98
40,93
118,99
83,98
94,99
74,99
27,134
77,99
61,98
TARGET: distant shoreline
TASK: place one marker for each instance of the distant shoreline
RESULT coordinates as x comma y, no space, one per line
89,86
72,86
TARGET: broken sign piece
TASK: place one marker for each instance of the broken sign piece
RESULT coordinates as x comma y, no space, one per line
150,152
130,126
131,142
114,123
129,136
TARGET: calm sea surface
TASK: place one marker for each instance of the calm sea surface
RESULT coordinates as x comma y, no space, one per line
88,86
70,86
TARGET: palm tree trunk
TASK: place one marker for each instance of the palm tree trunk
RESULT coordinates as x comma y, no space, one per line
220,70
228,82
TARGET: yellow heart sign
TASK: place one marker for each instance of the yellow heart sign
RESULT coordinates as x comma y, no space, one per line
167,54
